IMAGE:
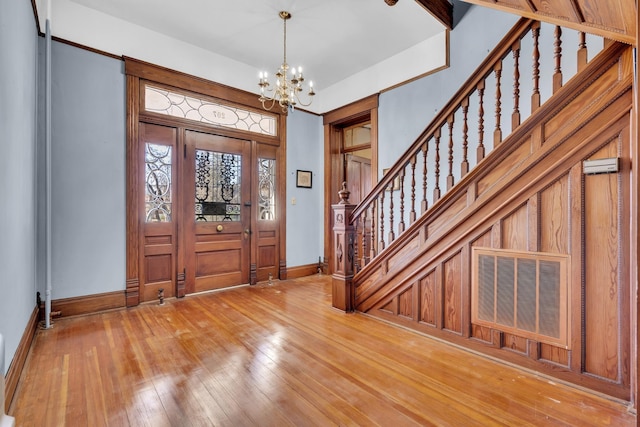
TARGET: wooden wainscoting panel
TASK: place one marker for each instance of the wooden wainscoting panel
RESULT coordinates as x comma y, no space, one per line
88,304
481,333
554,217
515,159
484,240
370,285
455,208
406,303
391,307
406,253
514,343
19,359
515,234
427,300
452,293
554,354
602,277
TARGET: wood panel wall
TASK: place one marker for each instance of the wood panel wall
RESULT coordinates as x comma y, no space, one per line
613,19
531,195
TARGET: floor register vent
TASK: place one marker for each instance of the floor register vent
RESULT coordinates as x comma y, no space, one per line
522,293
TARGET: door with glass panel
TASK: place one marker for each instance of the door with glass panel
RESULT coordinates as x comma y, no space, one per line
217,211
157,259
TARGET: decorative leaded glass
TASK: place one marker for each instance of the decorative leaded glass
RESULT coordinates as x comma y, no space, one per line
157,160
218,186
266,189
175,104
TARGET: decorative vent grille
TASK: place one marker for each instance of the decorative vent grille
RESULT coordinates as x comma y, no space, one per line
523,293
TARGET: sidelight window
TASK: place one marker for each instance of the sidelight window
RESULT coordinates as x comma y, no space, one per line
158,202
266,189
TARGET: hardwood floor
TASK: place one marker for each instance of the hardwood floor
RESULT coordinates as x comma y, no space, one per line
277,355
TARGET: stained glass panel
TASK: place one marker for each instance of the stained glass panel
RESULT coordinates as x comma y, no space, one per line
157,160
218,180
266,189
175,104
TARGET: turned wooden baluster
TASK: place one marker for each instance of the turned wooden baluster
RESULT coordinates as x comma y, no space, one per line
366,236
425,151
583,56
557,53
392,234
515,116
535,96
401,224
436,190
464,166
450,179
497,133
480,150
381,246
412,214
373,230
357,232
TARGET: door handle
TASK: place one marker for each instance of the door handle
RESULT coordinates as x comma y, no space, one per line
247,231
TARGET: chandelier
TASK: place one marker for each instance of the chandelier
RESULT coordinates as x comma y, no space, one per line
288,84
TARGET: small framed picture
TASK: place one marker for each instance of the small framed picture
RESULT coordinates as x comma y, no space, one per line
303,179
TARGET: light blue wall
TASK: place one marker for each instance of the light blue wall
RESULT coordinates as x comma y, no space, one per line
305,151
18,130
88,172
88,217
404,112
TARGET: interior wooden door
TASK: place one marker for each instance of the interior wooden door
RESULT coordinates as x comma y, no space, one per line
217,211
358,177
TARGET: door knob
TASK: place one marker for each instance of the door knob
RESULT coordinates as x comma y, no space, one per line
219,228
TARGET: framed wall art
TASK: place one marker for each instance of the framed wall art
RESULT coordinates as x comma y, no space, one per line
303,179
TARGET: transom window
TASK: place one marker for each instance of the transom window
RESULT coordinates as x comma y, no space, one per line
175,104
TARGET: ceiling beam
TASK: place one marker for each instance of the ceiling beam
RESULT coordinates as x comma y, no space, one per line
442,10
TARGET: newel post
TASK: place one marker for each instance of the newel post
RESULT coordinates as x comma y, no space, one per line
343,294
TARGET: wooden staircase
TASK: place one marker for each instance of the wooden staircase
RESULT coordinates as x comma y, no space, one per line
404,254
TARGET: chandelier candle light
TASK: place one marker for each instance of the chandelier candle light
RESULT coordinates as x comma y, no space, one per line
286,88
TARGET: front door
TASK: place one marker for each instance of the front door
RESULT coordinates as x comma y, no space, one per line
217,211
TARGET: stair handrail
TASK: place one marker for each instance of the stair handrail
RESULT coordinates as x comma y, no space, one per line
517,32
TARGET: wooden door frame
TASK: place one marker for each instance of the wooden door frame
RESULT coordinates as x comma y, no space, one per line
138,73
360,111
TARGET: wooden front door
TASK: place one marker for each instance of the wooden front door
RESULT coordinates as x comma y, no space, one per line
216,211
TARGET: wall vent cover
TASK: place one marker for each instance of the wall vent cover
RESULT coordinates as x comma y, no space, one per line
522,293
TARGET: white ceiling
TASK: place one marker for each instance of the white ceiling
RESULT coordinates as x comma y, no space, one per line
338,42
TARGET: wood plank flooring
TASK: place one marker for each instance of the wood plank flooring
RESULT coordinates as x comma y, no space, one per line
277,355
